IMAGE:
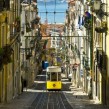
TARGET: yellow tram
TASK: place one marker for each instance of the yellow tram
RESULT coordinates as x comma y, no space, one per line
53,78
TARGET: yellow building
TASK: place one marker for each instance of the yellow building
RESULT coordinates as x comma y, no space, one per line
2,43
9,37
107,51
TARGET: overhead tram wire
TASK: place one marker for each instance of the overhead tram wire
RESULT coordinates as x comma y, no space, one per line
46,8
54,15
46,19
52,12
61,36
45,5
55,6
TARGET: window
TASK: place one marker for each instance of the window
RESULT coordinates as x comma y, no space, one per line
48,76
3,35
4,4
53,38
7,4
59,76
53,76
57,43
53,42
1,5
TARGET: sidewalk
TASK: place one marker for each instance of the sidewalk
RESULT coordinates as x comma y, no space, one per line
23,101
75,96
80,100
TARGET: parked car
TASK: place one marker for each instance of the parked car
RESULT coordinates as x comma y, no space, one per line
70,76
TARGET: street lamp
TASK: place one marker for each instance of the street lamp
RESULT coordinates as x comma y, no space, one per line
97,5
99,8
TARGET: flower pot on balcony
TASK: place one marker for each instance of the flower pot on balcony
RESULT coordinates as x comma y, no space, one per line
101,29
87,23
87,20
28,56
1,58
17,24
1,62
7,51
5,55
1,51
28,28
7,60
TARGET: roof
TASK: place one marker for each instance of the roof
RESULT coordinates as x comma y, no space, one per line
53,69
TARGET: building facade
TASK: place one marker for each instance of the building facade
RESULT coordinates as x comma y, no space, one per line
30,35
93,26
9,45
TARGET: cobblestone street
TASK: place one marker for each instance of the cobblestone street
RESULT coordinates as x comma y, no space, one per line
37,97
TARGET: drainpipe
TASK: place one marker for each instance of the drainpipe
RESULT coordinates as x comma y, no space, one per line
91,60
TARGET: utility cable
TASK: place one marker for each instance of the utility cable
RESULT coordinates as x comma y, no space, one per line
46,20
45,5
54,16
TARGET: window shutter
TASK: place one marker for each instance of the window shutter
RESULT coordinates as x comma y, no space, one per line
7,4
1,5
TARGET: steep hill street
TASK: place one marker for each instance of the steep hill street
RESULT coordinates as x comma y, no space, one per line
37,97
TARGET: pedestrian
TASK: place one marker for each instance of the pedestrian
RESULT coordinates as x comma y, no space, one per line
25,84
22,83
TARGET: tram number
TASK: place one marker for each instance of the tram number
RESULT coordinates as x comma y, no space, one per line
54,85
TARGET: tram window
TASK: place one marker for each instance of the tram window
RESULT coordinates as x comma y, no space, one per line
53,76
59,76
48,76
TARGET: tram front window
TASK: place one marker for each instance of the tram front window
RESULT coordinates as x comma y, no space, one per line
59,76
48,76
53,76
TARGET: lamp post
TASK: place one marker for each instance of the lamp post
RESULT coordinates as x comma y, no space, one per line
91,60
99,9
96,5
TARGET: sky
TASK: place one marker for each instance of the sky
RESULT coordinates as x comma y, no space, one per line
52,11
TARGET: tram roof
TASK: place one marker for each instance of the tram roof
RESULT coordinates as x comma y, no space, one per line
53,69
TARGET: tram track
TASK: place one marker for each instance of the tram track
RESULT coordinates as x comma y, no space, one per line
61,101
48,99
38,103
56,101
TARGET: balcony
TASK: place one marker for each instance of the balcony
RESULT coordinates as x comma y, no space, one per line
101,59
5,55
14,28
4,4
